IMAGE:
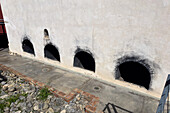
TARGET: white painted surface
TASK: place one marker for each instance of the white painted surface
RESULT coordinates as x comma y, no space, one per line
110,29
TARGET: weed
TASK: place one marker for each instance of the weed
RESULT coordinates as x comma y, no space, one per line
43,93
2,106
20,101
24,94
12,98
22,81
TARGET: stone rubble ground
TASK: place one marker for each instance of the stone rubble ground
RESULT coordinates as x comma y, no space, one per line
19,96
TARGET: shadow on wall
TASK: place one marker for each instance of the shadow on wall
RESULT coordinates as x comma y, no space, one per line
3,41
84,60
51,52
28,47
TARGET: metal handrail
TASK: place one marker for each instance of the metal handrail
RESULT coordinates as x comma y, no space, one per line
165,95
115,108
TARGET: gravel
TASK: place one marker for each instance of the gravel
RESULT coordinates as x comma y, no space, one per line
19,96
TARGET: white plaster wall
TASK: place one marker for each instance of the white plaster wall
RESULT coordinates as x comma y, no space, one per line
110,29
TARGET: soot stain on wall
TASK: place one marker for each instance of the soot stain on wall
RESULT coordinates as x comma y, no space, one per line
27,45
51,52
79,49
83,58
149,65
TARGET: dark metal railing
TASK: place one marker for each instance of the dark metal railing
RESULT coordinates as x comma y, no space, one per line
164,97
112,108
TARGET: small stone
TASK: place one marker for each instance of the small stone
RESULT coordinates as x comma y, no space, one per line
5,87
18,112
6,109
11,82
12,104
11,88
23,105
40,106
29,98
4,96
3,93
11,109
17,101
36,108
58,109
26,89
17,86
47,101
19,105
59,102
78,97
24,108
81,107
29,91
12,75
29,104
3,83
66,106
21,97
17,80
15,109
50,110
24,111
15,92
52,104
83,111
45,105
86,102
72,110
36,102
10,93
63,111
49,97
26,85
53,99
